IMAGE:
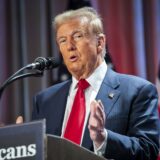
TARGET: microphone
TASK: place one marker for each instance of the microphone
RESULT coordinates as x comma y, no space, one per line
42,63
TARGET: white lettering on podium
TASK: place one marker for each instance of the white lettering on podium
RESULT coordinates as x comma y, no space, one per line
18,152
32,150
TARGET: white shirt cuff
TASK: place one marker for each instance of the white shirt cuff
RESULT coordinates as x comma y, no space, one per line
101,149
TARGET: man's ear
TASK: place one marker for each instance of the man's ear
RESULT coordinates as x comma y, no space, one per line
100,42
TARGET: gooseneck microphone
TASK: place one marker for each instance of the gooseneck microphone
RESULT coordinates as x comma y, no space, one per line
42,63
36,70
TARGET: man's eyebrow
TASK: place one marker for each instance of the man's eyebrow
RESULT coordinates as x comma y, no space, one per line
74,32
58,38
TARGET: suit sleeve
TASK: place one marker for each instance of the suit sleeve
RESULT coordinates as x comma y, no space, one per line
35,109
141,140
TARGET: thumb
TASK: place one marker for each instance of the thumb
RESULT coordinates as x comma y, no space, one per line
19,120
93,108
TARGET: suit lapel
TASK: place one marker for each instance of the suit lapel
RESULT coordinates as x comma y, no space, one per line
108,94
59,108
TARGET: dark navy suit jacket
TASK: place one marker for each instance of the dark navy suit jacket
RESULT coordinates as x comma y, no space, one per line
131,115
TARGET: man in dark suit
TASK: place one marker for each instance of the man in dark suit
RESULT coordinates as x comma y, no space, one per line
120,119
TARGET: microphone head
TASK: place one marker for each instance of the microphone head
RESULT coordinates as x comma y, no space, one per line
52,62
46,63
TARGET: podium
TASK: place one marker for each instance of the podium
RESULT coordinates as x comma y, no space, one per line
28,141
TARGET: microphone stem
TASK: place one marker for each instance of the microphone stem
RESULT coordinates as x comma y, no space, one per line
17,75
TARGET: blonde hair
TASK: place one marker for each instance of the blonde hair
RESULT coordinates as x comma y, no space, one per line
94,20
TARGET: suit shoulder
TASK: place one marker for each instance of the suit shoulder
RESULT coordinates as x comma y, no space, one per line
133,79
133,86
55,88
132,82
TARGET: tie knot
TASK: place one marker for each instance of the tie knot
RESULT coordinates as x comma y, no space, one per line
83,84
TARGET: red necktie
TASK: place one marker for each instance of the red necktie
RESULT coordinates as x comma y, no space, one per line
76,119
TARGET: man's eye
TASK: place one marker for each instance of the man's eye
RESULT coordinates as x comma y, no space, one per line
77,37
61,41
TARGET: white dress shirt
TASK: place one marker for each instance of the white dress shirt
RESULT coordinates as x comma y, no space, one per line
95,81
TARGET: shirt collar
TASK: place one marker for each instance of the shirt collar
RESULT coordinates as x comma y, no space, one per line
95,79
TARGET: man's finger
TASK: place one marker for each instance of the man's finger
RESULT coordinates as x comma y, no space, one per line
19,120
95,128
101,108
93,107
97,111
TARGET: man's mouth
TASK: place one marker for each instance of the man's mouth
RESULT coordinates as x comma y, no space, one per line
73,58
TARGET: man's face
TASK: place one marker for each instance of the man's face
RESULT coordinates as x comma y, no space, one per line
79,48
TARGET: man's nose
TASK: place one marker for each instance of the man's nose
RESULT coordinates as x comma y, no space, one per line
71,45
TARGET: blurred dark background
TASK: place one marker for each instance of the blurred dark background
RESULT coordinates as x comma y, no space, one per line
132,28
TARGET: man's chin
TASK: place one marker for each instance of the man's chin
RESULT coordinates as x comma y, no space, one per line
75,71
74,68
